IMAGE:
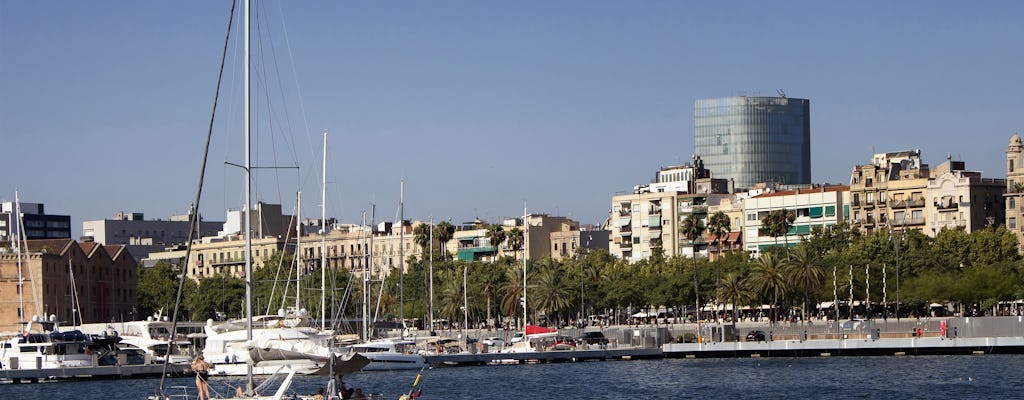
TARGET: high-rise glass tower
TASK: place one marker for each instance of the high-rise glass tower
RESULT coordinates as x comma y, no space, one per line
754,139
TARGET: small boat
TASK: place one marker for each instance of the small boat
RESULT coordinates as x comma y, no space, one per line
387,355
47,348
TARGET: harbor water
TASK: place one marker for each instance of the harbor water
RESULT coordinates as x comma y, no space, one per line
960,377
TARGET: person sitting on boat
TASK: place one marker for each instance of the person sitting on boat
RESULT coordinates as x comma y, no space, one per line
202,370
319,394
358,395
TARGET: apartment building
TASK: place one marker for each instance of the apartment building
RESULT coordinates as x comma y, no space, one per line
1014,196
962,199
647,220
815,207
472,243
58,272
889,192
566,244
898,191
349,246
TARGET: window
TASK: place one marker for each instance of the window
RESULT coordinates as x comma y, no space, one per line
751,216
1012,222
1013,202
1011,165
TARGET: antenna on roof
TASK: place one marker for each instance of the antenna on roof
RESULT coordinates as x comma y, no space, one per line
782,94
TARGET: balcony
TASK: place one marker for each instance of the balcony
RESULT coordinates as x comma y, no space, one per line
628,244
908,221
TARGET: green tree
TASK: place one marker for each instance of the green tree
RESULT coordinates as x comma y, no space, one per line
515,239
718,226
443,233
157,287
768,277
692,228
217,294
736,291
805,272
421,236
549,292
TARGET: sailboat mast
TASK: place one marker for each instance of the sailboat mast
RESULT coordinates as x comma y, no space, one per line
298,247
401,256
323,239
526,234
16,226
431,273
250,385
366,288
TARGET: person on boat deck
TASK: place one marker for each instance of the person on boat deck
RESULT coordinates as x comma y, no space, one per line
319,394
202,370
358,395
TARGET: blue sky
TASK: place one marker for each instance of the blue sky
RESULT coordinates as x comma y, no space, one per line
479,106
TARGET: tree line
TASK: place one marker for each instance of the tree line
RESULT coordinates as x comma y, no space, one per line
976,270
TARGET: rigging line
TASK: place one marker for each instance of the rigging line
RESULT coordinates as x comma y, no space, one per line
295,77
194,211
287,125
262,73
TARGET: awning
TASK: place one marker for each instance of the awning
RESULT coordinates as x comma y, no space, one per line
655,234
623,221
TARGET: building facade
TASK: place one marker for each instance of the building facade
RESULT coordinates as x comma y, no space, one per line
817,207
104,283
141,236
898,191
566,244
754,139
37,223
1014,196
889,193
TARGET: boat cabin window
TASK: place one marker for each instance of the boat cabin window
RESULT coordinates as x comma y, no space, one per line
29,349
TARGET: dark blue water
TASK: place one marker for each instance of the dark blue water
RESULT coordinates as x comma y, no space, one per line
938,377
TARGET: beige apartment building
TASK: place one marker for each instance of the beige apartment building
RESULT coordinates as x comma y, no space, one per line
898,191
213,256
1014,196
348,247
889,192
104,279
472,244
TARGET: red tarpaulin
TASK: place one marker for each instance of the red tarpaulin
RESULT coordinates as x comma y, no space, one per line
535,329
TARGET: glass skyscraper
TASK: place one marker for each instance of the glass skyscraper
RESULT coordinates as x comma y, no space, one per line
754,139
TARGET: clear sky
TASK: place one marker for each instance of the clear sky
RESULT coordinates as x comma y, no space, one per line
478,105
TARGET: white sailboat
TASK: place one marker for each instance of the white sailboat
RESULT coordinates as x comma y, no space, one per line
386,354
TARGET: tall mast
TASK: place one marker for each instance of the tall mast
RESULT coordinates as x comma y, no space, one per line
430,310
16,227
323,239
526,235
366,287
401,257
250,385
298,247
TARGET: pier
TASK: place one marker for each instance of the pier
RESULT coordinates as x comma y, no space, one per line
555,356
95,372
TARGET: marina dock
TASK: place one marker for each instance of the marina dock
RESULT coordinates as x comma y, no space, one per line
626,353
96,372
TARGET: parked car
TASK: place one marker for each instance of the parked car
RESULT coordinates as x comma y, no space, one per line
494,341
756,336
593,338
517,337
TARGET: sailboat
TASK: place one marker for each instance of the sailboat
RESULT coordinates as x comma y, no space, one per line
250,391
386,354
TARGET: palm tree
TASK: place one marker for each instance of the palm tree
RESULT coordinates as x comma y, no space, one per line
513,290
443,233
421,236
777,223
736,291
549,292
719,226
692,228
495,234
767,277
805,271
515,239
